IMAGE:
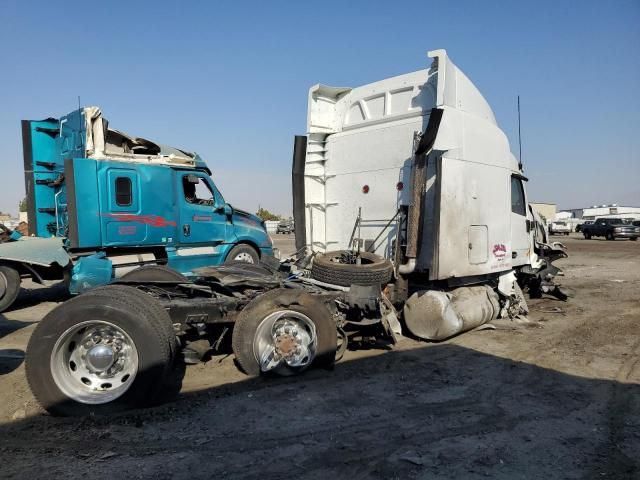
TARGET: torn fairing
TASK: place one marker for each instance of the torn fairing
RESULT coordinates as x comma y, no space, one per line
103,142
36,251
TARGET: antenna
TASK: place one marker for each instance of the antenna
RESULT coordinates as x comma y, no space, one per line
519,138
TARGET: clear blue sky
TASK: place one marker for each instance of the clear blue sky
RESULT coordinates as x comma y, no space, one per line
230,80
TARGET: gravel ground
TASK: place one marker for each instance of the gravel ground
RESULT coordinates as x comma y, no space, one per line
558,397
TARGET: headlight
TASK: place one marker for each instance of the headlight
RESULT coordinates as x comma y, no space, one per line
617,229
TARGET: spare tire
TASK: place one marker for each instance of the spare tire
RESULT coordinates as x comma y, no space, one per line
331,268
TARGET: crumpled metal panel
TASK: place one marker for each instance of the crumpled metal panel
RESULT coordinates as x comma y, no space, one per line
436,315
90,272
35,251
240,274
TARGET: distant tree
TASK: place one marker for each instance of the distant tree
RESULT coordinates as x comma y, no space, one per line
22,206
266,215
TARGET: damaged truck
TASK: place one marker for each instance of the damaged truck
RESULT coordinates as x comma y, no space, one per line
102,203
411,218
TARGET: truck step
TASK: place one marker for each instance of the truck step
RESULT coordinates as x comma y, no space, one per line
52,132
49,165
53,183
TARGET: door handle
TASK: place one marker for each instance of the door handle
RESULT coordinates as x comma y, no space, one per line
186,229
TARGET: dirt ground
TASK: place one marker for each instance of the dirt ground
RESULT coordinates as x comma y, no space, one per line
556,398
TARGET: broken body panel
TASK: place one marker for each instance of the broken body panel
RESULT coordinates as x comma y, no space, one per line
361,156
127,200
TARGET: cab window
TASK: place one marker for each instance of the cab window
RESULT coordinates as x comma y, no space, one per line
123,191
517,197
197,190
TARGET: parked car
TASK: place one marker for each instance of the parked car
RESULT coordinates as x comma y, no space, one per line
611,228
580,226
559,228
285,226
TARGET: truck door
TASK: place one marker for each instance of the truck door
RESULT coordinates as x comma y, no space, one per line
520,231
203,221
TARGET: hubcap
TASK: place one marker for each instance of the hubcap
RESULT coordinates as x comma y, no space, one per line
244,257
285,340
94,362
100,357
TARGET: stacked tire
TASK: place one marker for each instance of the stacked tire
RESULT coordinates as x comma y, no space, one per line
330,268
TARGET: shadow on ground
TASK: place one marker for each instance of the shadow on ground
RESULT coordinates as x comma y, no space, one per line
437,412
10,359
9,326
30,297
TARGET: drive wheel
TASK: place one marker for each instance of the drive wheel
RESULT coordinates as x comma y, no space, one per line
587,236
102,352
609,236
633,239
9,286
331,267
243,253
284,332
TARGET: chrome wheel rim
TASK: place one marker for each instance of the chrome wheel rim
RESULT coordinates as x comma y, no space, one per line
244,257
94,362
285,342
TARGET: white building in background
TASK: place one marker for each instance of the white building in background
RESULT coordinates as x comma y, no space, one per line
612,211
546,210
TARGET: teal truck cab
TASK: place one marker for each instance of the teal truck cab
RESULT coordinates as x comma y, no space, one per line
102,203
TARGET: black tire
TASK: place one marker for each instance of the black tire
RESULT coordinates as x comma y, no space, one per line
258,309
146,301
374,270
609,236
134,312
154,273
176,368
9,286
242,250
587,235
633,239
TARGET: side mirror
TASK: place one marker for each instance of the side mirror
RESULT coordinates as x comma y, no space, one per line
226,209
